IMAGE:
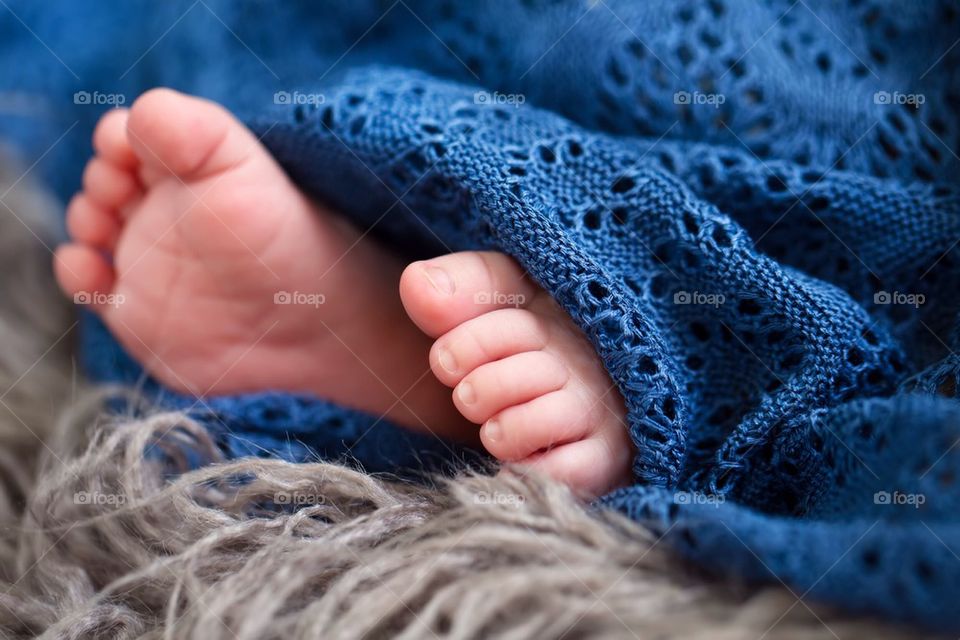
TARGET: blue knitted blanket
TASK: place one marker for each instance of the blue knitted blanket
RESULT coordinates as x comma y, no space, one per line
751,209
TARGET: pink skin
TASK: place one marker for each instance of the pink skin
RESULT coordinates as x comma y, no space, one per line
187,230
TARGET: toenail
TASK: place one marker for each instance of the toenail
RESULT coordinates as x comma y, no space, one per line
466,393
446,360
440,280
492,431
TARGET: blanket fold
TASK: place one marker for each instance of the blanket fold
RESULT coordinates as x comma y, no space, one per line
745,376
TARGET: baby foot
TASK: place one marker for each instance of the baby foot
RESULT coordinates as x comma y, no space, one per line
521,368
220,277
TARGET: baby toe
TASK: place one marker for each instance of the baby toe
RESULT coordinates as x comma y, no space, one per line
547,421
491,388
174,133
89,223
488,338
83,273
109,185
110,139
591,467
441,293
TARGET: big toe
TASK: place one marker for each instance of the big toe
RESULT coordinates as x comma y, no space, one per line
173,133
443,292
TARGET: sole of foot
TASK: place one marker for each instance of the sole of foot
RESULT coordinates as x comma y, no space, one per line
219,276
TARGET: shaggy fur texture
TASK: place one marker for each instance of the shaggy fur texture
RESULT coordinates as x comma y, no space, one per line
101,541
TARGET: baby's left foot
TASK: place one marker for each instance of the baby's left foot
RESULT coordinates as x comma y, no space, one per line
521,368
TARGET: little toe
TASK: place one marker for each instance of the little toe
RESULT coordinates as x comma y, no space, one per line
491,388
110,139
109,185
590,467
487,338
444,292
89,223
83,273
550,420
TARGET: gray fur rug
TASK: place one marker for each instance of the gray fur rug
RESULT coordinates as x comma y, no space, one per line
100,542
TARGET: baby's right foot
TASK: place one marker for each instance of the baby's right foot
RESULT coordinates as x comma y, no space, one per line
522,369
220,277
